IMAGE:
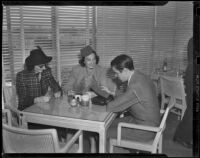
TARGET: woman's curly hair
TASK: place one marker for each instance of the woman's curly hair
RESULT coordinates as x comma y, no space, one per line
82,59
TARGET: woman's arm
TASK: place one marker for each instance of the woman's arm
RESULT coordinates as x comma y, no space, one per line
54,85
25,100
70,82
102,84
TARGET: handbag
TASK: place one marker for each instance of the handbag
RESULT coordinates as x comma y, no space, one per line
100,100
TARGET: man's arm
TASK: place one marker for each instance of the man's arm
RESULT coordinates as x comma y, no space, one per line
123,101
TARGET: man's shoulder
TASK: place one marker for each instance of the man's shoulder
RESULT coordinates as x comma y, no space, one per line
140,76
139,79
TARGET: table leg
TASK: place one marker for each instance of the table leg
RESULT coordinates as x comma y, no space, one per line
102,141
23,123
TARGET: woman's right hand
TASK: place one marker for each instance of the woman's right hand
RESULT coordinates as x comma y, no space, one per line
42,99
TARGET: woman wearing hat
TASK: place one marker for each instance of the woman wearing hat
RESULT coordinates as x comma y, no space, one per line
88,75
33,83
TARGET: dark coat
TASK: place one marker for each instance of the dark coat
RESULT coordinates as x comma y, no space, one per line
184,131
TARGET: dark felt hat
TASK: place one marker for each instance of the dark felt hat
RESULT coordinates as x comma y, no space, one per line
87,50
37,57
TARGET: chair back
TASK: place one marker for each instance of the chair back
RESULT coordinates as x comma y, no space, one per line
172,87
6,117
9,95
17,140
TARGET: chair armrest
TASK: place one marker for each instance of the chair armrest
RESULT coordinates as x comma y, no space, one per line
134,126
11,108
6,116
17,112
71,142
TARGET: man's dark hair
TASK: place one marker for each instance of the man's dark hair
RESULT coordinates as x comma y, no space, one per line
122,61
82,60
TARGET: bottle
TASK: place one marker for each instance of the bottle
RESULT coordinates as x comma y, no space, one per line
165,65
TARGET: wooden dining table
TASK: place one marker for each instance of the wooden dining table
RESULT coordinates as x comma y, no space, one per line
58,112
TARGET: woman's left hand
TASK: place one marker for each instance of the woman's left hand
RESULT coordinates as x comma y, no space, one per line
57,94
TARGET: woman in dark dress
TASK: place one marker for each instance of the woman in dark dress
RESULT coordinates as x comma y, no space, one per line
184,131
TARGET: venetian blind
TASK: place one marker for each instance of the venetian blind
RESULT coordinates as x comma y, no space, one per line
147,33
111,32
13,34
5,51
164,31
75,30
60,31
37,22
140,34
125,29
184,31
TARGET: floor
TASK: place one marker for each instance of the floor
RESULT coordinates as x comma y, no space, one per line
171,148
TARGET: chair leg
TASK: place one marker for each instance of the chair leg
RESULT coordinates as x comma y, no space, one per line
160,145
80,150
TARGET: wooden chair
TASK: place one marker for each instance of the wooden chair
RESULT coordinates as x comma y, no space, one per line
18,140
173,87
153,146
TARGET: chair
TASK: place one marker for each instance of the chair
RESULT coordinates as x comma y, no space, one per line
9,93
153,146
10,102
6,117
18,140
172,87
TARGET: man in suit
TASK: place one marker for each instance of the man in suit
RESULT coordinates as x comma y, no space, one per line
139,100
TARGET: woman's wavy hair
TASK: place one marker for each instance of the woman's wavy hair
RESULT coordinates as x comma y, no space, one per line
82,59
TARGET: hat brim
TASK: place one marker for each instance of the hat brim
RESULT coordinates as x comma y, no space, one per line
39,61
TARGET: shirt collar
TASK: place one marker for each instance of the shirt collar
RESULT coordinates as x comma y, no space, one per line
130,76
